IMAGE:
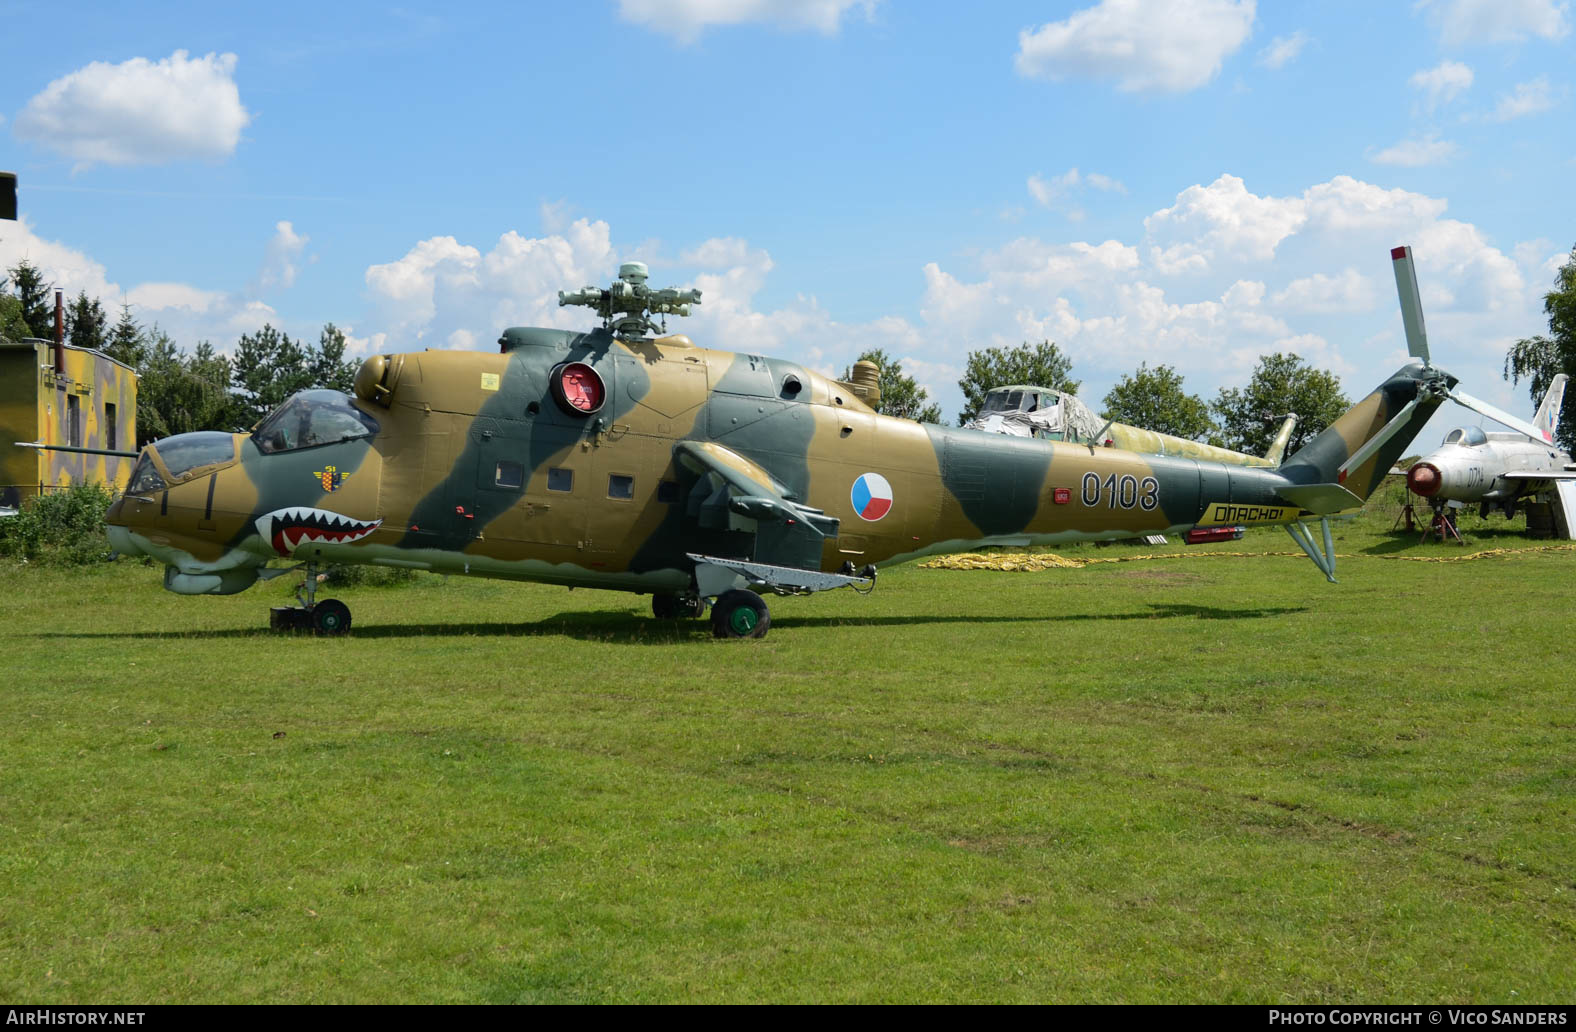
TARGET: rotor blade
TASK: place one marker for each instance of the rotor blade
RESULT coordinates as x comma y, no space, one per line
1411,303
1374,443
1499,415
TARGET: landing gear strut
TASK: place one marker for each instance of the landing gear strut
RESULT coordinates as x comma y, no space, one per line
330,616
677,607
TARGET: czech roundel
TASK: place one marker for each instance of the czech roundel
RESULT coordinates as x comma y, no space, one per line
872,496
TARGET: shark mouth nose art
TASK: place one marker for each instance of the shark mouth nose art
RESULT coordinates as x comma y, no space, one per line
289,529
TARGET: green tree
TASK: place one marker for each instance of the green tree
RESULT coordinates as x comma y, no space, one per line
326,366
1040,365
86,324
901,396
1539,359
38,311
126,341
179,393
1153,399
268,367
12,326
1281,385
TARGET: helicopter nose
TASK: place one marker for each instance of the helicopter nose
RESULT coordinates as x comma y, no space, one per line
1424,479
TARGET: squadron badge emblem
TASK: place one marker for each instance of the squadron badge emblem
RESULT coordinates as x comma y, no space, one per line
331,478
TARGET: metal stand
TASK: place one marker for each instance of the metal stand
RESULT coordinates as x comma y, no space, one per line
1443,524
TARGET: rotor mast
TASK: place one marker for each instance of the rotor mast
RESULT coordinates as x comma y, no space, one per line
628,305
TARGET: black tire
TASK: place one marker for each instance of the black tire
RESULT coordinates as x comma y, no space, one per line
331,616
676,607
740,614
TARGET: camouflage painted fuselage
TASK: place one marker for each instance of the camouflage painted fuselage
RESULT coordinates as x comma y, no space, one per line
476,468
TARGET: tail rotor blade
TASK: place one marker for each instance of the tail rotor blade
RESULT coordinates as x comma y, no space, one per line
1499,415
1374,443
1411,303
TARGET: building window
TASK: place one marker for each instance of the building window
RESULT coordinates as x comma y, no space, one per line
668,491
509,475
73,422
620,486
109,425
560,480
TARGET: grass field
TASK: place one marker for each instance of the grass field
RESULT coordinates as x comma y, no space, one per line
1205,779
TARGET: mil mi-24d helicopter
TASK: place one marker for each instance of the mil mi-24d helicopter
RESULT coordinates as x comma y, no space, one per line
629,459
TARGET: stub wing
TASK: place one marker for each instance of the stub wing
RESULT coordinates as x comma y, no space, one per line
733,488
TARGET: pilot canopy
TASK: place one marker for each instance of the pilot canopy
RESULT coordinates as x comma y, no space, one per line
311,418
1467,436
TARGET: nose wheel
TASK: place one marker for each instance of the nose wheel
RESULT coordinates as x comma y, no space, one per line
327,617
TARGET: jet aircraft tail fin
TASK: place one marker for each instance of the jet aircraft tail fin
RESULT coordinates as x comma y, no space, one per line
1357,450
1548,418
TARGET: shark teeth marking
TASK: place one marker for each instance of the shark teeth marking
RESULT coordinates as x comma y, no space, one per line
288,529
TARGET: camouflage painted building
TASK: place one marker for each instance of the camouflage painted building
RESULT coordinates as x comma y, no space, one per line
91,403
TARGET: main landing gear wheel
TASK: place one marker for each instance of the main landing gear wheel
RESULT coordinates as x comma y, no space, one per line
331,616
328,617
739,614
676,607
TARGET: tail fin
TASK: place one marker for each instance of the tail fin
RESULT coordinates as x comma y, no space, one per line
1278,446
1342,466
1548,418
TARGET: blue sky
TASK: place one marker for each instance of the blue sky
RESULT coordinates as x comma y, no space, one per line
1191,182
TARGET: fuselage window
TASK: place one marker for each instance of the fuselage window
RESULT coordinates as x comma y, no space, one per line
509,475
560,480
110,437
620,486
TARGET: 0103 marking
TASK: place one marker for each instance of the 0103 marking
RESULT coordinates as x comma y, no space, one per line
1120,492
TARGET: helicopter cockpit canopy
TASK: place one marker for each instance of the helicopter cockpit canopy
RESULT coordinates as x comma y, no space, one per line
311,418
1013,401
1467,436
184,453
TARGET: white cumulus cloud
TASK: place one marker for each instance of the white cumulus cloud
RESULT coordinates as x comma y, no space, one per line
1143,45
1442,83
282,255
441,286
685,20
1346,291
1283,50
1049,191
1225,219
140,112
1416,152
1528,98
1497,21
